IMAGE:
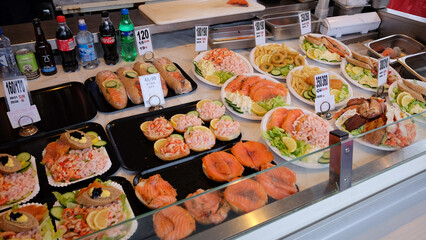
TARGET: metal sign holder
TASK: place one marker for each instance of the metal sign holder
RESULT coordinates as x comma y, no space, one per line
325,114
27,130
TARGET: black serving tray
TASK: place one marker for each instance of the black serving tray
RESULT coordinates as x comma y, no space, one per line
59,106
35,146
104,106
136,152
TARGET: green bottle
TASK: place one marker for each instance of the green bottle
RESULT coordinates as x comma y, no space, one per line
127,36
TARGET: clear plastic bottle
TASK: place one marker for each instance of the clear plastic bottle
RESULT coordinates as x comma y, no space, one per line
9,67
86,46
127,36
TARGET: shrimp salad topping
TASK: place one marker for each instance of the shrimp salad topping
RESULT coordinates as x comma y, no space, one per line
200,138
187,121
159,125
210,110
226,127
174,145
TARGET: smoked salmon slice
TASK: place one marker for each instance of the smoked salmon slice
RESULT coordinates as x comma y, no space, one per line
277,118
238,2
279,182
207,208
245,196
221,166
248,83
54,150
37,211
235,85
264,83
252,154
267,92
292,116
155,192
173,223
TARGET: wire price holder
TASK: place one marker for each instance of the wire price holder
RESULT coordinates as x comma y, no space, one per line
325,114
154,100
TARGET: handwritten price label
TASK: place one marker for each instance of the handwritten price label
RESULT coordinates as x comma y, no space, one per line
305,22
382,75
201,36
259,32
143,41
322,89
151,90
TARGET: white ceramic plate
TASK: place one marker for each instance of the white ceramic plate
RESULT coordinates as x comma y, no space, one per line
201,55
250,116
263,127
421,119
331,75
355,82
252,62
320,61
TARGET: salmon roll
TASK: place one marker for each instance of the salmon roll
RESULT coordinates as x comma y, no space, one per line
155,192
221,166
173,223
207,208
279,182
245,196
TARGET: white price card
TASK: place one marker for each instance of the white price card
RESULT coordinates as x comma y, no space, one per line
151,90
382,75
305,22
201,38
23,116
16,93
322,89
143,41
259,32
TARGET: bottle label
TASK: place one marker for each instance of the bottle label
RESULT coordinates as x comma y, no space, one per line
3,61
87,52
127,33
48,69
108,40
65,45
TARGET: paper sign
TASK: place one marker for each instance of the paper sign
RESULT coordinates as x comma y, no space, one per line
322,89
16,93
201,36
259,32
305,22
143,41
23,116
151,90
382,74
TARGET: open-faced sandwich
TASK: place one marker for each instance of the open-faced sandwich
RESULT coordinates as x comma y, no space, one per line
171,148
410,96
74,157
209,109
157,128
225,128
155,192
323,48
181,122
199,138
96,207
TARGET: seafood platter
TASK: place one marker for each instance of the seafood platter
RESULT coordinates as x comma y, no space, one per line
172,135
113,91
250,96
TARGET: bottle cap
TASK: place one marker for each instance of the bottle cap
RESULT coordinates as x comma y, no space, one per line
60,18
125,11
36,21
105,14
82,25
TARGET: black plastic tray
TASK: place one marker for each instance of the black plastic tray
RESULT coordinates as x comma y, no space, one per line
104,106
136,152
36,145
59,106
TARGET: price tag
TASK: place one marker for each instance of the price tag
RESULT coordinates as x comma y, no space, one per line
151,90
201,36
143,41
259,32
305,22
18,101
322,89
382,75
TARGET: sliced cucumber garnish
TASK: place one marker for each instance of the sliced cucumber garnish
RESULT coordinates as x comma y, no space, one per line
100,143
306,94
131,75
151,69
170,68
195,113
326,155
24,166
177,136
111,84
57,212
324,160
275,72
24,156
217,102
226,117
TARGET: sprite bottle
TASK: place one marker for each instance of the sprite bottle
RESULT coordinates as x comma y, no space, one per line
127,36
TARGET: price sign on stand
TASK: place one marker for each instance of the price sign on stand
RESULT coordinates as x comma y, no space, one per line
259,32
201,36
151,90
18,100
323,101
382,75
143,41
305,22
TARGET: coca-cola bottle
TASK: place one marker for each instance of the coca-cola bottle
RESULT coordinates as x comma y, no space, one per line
108,39
66,45
43,51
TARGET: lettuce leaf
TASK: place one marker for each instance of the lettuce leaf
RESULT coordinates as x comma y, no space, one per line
224,76
357,131
275,135
272,103
344,93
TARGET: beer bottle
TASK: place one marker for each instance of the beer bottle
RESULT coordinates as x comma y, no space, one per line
43,51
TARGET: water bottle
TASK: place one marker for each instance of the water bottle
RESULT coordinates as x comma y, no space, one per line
127,35
86,47
8,65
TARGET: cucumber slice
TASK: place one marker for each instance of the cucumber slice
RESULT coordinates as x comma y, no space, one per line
131,75
195,113
111,84
177,136
217,102
65,198
326,155
228,101
238,110
311,95
226,117
93,134
24,166
171,68
24,156
323,160
314,91
275,72
306,94
57,212
100,143
151,69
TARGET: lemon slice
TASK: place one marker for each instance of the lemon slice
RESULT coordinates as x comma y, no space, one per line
144,126
257,109
201,103
101,219
310,53
400,96
290,143
265,58
335,92
89,219
317,53
406,100
213,78
258,60
202,128
213,123
349,68
175,118
93,136
159,144
357,70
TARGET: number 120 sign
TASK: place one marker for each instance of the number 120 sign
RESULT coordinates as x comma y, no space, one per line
143,41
